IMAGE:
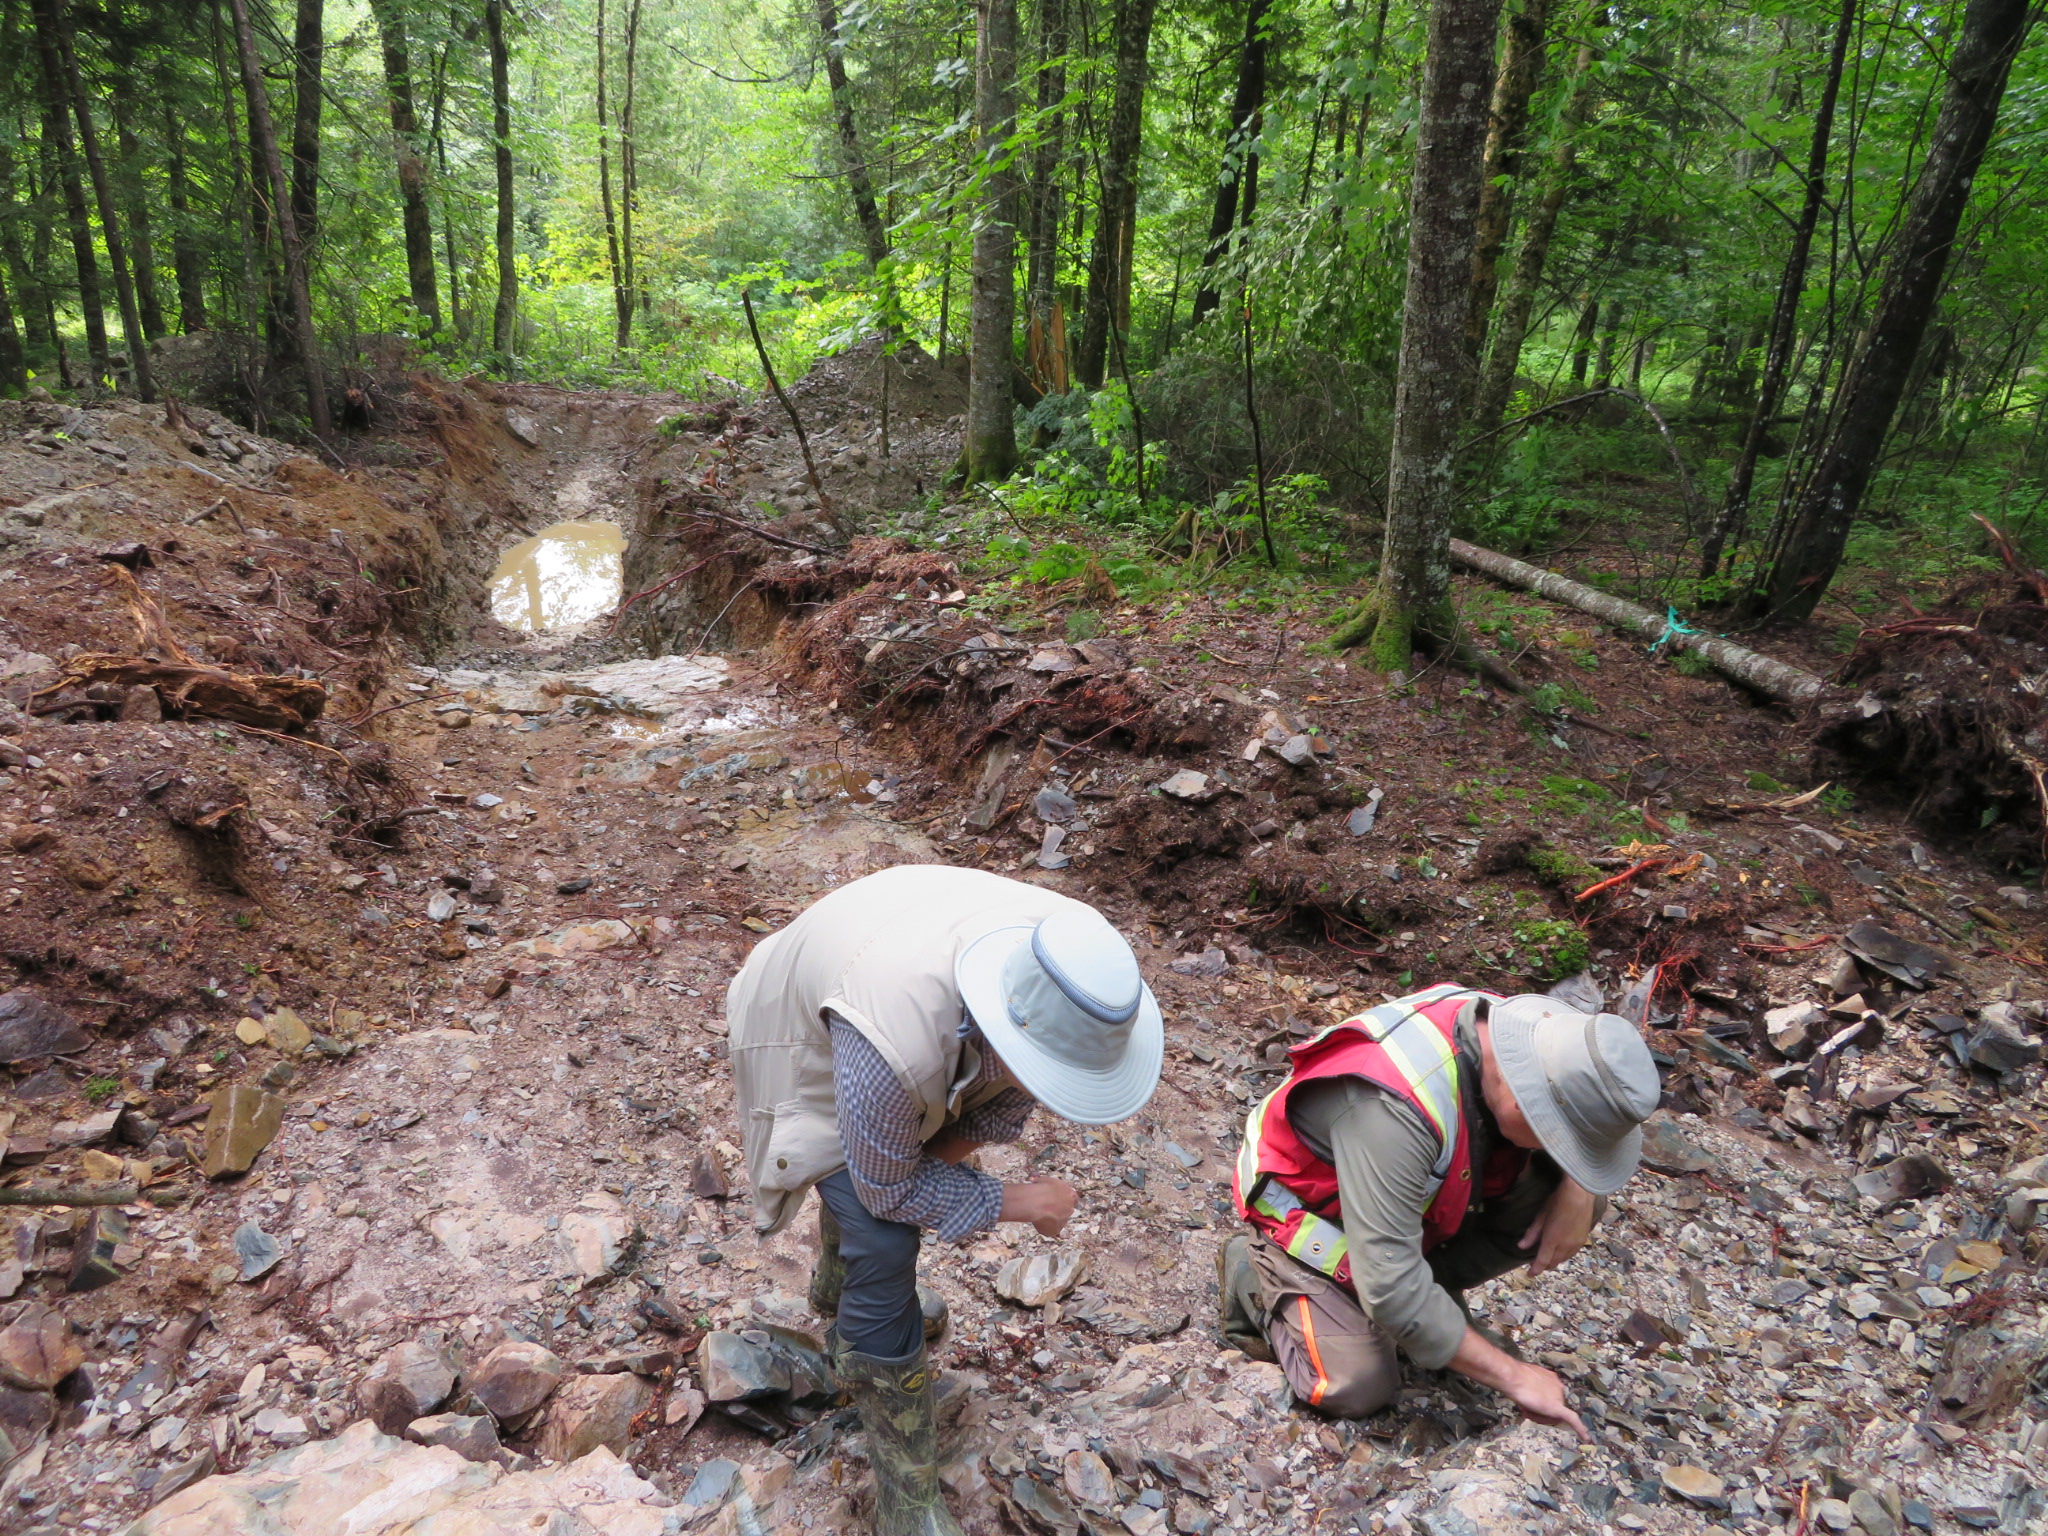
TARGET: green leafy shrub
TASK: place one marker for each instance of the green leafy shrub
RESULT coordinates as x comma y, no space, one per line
1550,950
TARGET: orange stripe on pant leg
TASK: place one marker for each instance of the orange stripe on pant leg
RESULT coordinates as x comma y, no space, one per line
1315,1356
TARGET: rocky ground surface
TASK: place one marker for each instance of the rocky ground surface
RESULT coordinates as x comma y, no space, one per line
380,1069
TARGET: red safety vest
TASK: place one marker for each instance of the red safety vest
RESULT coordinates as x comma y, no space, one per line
1407,1047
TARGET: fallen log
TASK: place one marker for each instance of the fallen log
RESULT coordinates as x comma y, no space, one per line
1776,679
191,688
123,1193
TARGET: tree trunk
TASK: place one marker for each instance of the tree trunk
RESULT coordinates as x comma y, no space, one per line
309,48
629,167
147,303
857,182
1240,157
1048,366
29,290
109,206
57,130
1603,369
298,286
13,362
188,261
1432,382
1108,277
505,313
1507,134
1816,530
622,303
1497,382
416,215
991,446
1779,680
1732,519
1583,338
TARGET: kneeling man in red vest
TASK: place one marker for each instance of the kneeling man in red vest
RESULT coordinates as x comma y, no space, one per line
1428,1145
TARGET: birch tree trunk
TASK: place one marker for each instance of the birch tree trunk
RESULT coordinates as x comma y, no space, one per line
990,450
1432,382
505,313
1240,159
1732,519
1108,276
298,288
1810,543
416,216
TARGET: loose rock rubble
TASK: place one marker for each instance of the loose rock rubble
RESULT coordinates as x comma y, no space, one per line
423,1194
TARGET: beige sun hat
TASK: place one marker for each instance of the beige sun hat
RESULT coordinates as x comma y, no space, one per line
1063,1003
1585,1081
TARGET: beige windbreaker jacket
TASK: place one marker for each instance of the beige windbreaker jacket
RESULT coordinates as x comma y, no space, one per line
879,954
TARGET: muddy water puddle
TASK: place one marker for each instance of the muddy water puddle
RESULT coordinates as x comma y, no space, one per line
566,574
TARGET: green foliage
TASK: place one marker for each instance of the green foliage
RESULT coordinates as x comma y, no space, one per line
98,1090
1559,869
1550,950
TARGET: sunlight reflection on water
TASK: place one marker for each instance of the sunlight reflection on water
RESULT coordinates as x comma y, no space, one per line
565,574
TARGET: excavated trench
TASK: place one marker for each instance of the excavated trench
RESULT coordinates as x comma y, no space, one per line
487,1042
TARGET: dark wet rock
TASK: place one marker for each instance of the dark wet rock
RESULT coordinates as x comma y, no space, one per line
1917,965
31,1025
1668,1150
735,1370
94,1250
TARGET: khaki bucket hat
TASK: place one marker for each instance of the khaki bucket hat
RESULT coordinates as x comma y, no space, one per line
1586,1082
1062,1002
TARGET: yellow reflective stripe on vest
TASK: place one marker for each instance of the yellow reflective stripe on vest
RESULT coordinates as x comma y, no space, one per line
1429,1062
1318,1243
1248,1154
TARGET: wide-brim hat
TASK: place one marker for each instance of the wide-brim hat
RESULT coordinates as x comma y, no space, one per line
1585,1082
1062,1002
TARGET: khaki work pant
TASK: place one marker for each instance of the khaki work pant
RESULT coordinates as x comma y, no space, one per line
1336,1359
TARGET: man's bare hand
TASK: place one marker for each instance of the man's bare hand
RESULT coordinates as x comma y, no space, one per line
1046,1203
1562,1228
1540,1394
1537,1392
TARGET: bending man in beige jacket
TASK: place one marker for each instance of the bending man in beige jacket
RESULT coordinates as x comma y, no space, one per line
892,1028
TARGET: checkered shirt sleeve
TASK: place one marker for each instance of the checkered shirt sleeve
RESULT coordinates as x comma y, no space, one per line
894,1176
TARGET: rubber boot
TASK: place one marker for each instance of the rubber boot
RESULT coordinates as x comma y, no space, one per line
897,1411
1240,1298
828,1280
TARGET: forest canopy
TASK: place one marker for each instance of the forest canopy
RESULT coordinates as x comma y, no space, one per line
1782,260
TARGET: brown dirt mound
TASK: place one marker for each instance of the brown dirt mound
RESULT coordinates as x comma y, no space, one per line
1950,721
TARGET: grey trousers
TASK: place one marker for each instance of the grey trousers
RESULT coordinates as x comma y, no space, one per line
878,1311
